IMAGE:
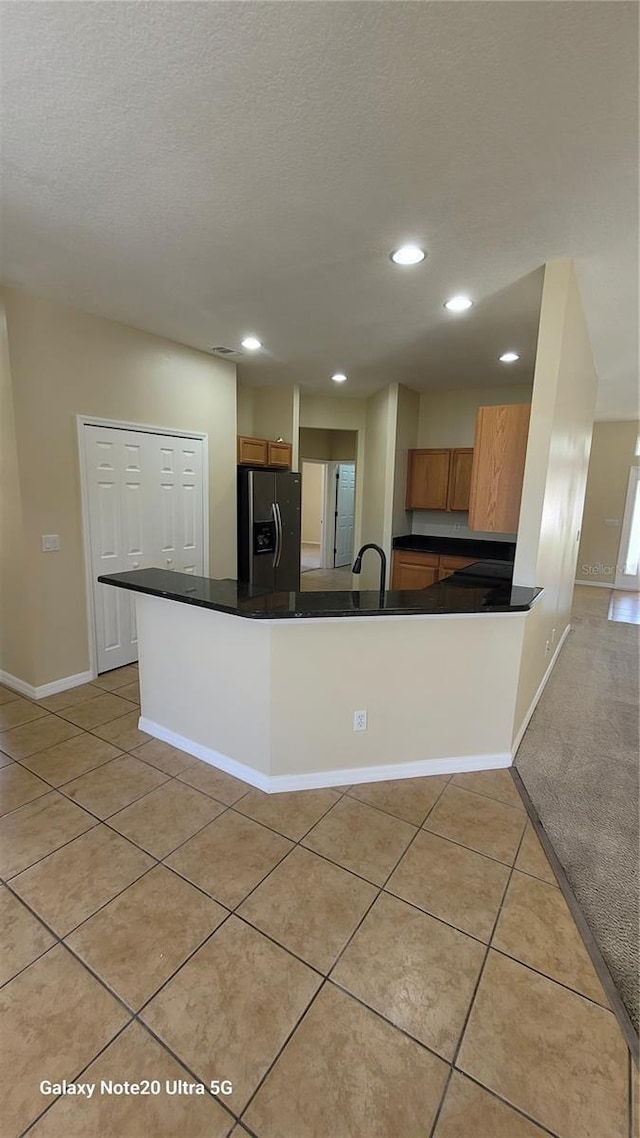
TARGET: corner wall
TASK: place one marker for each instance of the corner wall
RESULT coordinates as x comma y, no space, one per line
65,362
564,394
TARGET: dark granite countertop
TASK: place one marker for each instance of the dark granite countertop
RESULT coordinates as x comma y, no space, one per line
456,546
464,592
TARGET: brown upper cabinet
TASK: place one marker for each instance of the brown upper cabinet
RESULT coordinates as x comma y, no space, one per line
460,478
279,454
498,467
263,452
439,479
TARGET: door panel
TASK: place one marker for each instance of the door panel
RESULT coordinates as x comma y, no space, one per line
288,498
145,495
345,513
262,497
117,535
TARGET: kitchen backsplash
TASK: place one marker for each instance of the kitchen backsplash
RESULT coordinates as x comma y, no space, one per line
440,523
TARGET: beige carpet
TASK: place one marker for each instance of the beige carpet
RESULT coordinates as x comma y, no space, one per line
579,763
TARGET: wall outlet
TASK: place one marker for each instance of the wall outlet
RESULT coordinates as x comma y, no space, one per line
359,721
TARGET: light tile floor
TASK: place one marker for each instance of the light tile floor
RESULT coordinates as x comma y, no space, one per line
383,961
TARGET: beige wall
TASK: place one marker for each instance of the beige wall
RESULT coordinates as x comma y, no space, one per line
63,363
328,445
245,410
274,412
379,471
448,418
564,394
16,633
408,410
312,501
612,456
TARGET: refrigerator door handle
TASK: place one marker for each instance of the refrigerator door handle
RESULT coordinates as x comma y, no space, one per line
276,547
279,535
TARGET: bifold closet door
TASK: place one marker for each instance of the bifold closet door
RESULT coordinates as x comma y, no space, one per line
145,496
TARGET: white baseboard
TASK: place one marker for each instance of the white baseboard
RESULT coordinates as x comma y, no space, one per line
318,779
52,688
536,699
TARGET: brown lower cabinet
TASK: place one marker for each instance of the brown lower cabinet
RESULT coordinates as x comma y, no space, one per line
412,570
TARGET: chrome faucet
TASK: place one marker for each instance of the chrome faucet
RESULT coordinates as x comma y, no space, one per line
357,565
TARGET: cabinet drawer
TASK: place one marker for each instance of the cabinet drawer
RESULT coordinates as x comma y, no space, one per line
414,570
453,563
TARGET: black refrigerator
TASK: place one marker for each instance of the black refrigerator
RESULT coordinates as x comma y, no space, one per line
269,528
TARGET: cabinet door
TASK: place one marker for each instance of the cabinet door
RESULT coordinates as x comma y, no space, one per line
252,452
460,478
428,479
498,467
414,570
279,454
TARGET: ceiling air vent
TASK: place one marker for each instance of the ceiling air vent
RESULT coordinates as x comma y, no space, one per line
221,351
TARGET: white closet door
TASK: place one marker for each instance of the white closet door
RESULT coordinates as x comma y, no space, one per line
145,495
120,533
178,517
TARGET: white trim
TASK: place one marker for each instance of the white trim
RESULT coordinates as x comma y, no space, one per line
319,779
534,703
83,421
52,688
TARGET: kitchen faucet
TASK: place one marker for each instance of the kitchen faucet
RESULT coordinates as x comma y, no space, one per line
357,565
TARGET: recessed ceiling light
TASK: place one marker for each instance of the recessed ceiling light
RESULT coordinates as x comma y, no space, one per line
509,357
251,343
408,255
458,303
339,377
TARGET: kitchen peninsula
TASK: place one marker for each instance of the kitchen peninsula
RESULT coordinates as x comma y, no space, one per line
265,685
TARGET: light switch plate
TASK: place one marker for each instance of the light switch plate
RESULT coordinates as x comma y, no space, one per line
50,542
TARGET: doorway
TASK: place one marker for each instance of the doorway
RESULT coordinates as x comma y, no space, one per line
144,505
628,566
314,479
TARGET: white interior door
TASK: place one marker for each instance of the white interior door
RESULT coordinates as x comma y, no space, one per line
178,522
145,494
628,567
345,513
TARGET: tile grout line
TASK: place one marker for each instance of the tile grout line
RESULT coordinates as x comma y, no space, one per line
134,1016
474,994
298,842
234,807
327,980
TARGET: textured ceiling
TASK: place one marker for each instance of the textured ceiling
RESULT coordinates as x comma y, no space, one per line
204,170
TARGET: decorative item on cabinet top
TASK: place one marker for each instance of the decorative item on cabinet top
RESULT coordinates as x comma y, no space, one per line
264,452
439,478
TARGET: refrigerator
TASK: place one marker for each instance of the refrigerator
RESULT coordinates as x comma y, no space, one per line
269,510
